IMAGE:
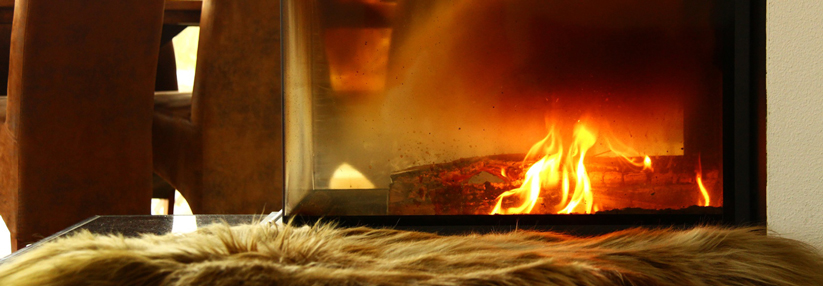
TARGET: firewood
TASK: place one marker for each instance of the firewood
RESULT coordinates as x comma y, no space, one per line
472,185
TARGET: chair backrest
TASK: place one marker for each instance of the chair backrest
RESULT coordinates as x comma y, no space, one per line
79,112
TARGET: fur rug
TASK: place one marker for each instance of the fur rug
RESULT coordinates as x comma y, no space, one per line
326,255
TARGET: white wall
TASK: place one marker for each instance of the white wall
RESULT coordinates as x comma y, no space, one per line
794,81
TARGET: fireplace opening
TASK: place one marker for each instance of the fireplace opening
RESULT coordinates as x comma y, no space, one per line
496,109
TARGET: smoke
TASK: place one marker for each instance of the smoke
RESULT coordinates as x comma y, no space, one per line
476,78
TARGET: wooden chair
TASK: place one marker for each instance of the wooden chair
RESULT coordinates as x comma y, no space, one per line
224,153
76,140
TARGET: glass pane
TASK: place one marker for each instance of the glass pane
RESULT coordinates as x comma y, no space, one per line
432,107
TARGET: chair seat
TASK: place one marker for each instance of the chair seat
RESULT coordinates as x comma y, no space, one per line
171,103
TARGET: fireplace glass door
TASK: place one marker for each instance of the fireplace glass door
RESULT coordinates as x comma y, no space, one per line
503,107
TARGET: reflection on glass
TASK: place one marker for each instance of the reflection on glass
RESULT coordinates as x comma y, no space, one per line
431,107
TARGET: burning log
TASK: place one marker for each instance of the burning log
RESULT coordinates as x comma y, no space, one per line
465,186
472,185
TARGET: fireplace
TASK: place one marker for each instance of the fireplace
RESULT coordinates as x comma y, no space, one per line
560,114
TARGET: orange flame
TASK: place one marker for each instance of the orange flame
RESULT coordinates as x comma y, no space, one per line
647,164
529,192
553,170
564,171
582,189
703,190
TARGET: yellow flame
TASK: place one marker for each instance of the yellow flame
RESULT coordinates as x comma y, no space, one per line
582,196
553,170
617,147
647,164
564,171
703,191
699,179
528,192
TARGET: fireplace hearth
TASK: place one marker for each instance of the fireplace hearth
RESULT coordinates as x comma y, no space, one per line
500,114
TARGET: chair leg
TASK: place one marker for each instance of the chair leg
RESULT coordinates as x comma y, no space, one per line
228,159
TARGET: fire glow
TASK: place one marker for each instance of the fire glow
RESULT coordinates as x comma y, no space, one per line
564,171
699,180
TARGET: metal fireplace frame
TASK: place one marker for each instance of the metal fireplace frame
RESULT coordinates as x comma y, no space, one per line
744,159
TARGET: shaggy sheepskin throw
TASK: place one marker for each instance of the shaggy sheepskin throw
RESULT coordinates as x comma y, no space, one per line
328,255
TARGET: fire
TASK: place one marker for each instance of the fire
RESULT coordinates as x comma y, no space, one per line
559,180
699,179
647,164
554,169
529,192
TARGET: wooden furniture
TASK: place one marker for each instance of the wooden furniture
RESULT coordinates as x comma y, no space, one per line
177,14
83,124
185,12
182,12
224,154
76,140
